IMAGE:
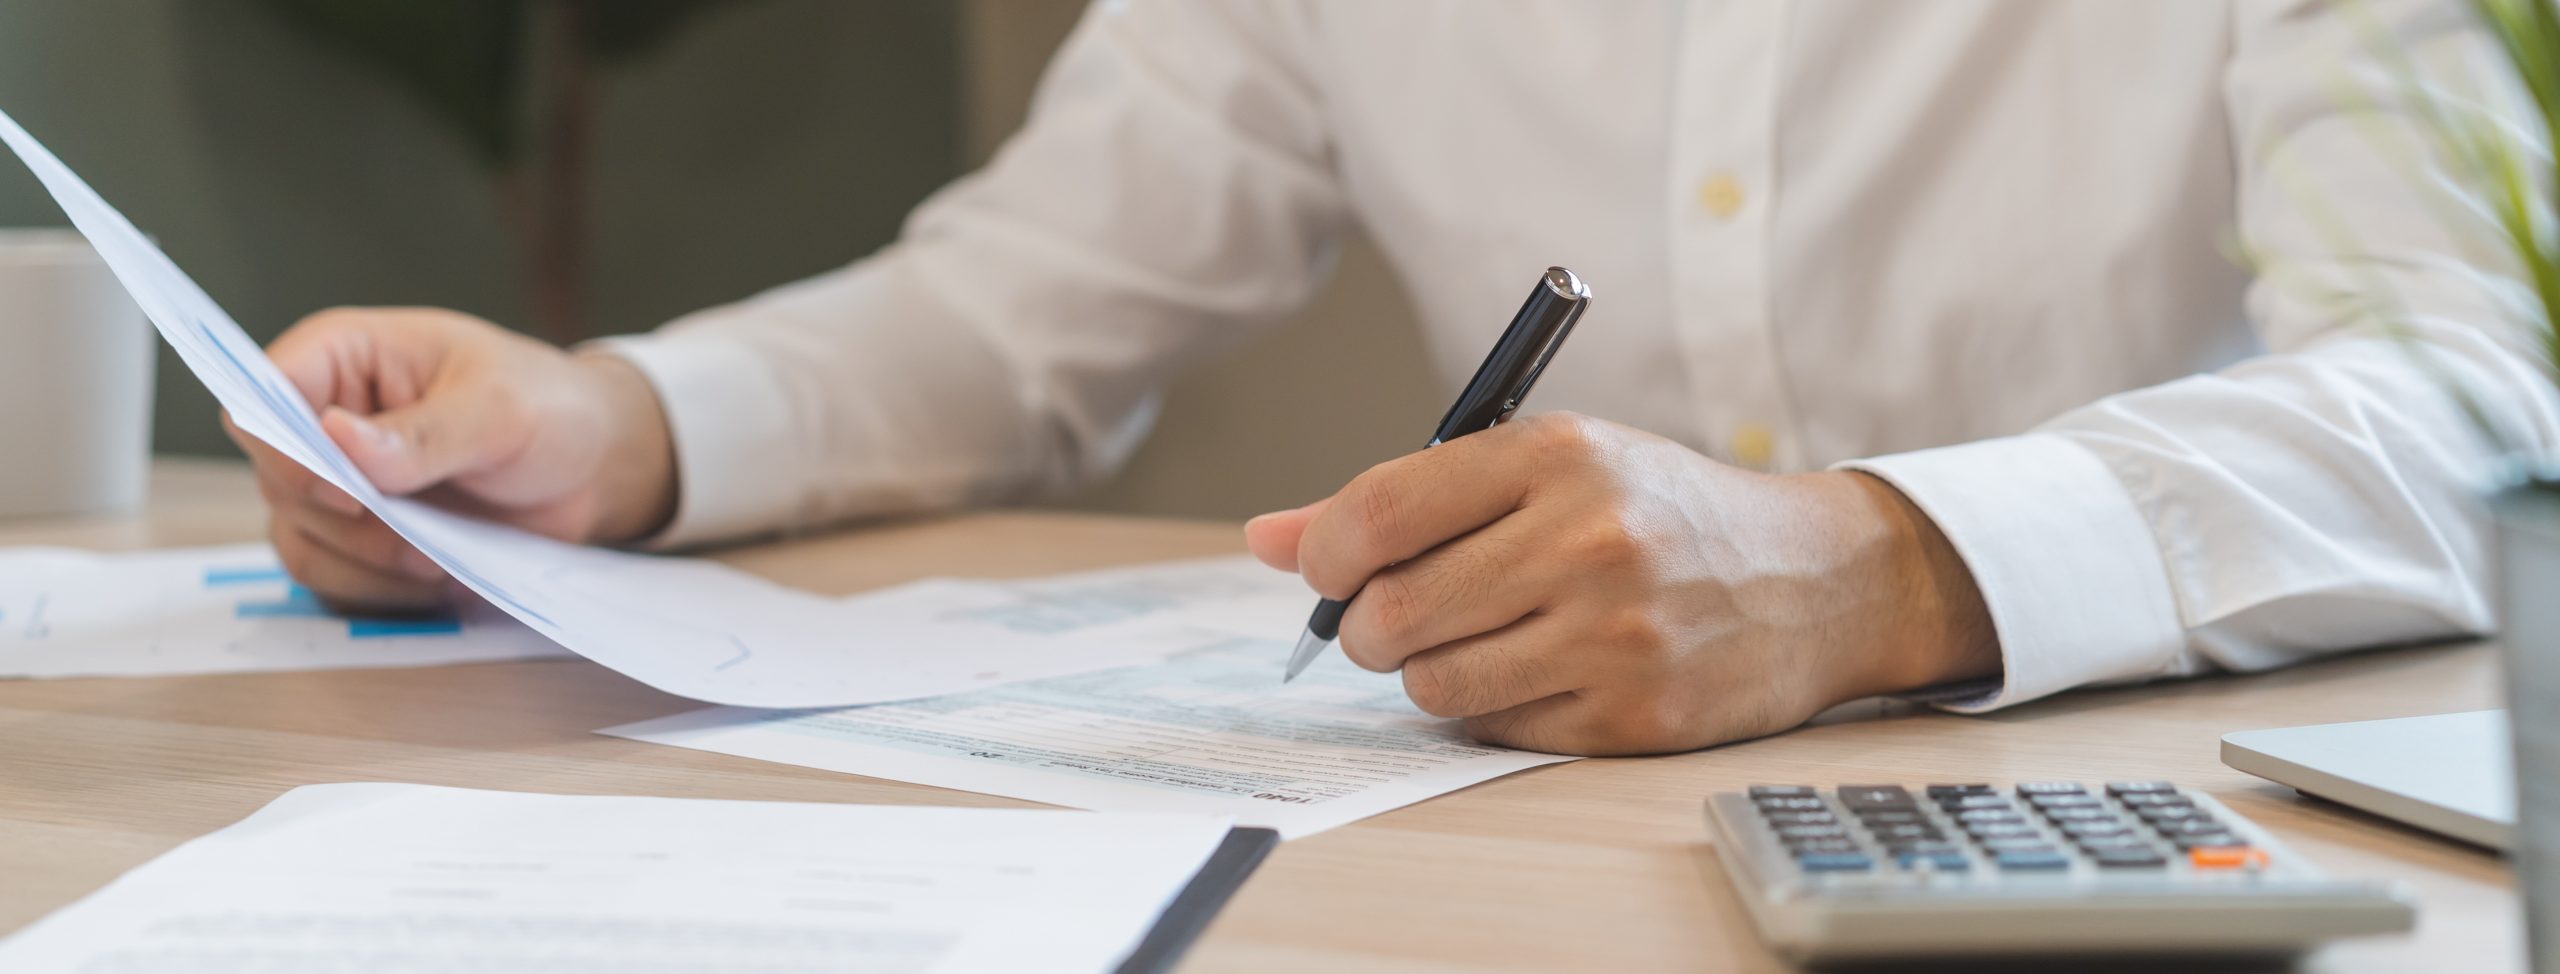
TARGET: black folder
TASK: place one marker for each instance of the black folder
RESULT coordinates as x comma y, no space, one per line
1200,900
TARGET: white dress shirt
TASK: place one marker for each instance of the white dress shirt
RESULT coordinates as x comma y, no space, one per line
1974,247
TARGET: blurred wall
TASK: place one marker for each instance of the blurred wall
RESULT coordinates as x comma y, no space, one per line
1284,419
771,140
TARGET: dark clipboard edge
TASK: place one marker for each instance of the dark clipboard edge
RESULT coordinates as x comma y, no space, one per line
1200,900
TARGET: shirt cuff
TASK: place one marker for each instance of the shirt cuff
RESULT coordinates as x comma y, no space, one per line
2066,563
732,432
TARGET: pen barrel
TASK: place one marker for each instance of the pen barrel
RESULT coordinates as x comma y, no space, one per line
1512,368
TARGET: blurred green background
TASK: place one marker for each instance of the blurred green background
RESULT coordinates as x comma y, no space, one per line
291,163
298,154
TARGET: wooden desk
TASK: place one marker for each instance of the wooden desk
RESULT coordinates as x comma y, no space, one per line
1597,865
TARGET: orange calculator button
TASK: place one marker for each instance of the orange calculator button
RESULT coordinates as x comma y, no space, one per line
2227,857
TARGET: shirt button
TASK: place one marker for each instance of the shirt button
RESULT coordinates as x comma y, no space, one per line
1721,196
1752,445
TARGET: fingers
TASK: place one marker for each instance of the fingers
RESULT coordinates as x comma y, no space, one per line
346,584
408,393
1476,584
361,538
453,431
1406,506
284,481
1497,671
1274,537
1581,722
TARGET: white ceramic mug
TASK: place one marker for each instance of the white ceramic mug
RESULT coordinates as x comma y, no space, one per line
76,360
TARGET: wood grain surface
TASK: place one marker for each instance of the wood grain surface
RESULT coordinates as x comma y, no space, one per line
1595,865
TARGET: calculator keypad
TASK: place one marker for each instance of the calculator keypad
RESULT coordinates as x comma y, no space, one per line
2034,827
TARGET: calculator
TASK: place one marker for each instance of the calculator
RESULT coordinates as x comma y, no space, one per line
1871,872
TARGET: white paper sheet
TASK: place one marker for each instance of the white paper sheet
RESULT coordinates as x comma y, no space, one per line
1209,732
692,628
388,877
223,609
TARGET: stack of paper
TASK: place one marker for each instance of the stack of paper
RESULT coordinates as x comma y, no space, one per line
386,877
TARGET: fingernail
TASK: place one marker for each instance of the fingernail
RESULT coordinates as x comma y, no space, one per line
1300,509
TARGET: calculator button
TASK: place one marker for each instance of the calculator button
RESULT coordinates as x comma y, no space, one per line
1991,816
1922,847
2190,826
1893,833
1944,792
2095,830
1891,817
2208,840
2123,788
2125,840
1945,862
2145,799
1789,803
2228,857
2157,814
2037,861
2082,813
2051,802
1782,791
2142,858
2001,830
2031,789
1818,847
1800,818
1836,862
1859,797
1968,802
1793,832
2022,843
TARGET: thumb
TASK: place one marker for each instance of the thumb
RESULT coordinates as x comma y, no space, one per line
1274,537
417,446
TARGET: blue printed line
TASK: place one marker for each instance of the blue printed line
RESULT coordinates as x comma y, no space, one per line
743,654
389,628
298,603
218,577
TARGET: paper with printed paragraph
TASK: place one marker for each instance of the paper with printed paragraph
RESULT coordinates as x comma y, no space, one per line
1205,732
686,626
394,877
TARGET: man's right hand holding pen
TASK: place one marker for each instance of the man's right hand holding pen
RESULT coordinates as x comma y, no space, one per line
1571,585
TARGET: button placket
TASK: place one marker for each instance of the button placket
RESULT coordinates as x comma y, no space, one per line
1721,176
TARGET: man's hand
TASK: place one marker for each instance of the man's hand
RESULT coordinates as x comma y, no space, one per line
469,416
1570,585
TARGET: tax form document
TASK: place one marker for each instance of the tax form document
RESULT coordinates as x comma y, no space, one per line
689,627
223,609
390,877
1211,731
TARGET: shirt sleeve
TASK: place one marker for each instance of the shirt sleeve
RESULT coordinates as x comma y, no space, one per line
1172,188
2326,495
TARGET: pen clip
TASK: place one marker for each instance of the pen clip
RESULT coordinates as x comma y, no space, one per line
1545,355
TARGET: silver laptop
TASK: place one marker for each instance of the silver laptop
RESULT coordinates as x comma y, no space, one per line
2449,774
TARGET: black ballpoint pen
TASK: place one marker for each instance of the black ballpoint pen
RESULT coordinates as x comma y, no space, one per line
1491,397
